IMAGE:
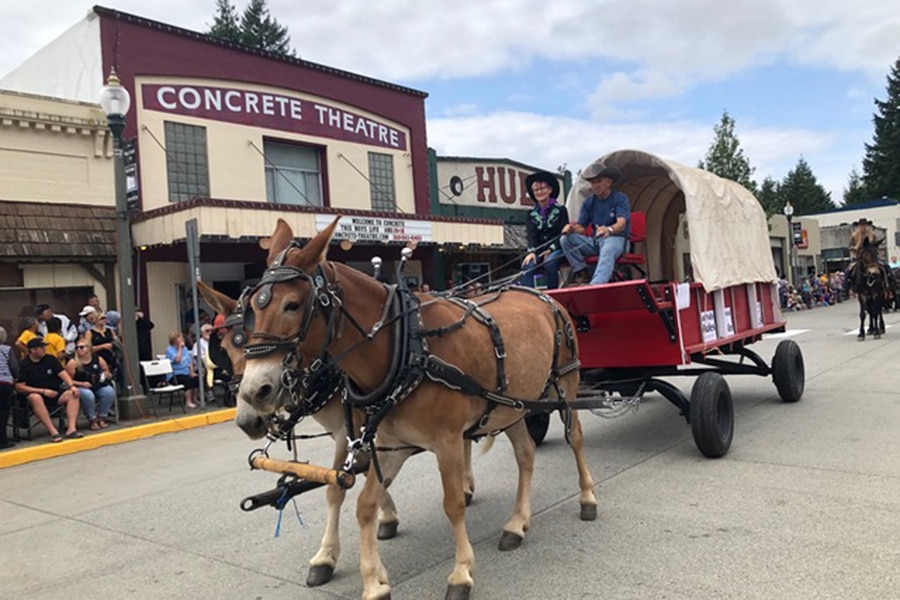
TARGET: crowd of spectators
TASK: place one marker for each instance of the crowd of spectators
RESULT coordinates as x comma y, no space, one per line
815,290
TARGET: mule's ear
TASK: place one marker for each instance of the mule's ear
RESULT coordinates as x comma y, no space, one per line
222,304
315,251
280,240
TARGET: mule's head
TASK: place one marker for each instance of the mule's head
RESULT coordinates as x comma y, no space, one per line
280,318
226,350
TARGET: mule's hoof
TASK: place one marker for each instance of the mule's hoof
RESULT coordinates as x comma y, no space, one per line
861,338
319,575
510,541
387,531
458,592
588,512
468,498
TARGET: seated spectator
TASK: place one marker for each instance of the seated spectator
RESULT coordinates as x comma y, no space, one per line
9,369
45,384
29,332
84,324
56,345
94,380
103,341
182,368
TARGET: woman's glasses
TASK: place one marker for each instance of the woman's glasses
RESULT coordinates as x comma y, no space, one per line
81,347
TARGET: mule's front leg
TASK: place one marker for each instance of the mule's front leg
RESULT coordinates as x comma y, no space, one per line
862,321
322,565
587,499
451,461
518,524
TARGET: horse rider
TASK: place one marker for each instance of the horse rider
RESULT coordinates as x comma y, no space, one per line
864,231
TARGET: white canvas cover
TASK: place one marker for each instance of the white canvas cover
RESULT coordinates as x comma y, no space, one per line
729,234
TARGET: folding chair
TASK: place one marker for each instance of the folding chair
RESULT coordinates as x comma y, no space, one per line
154,368
23,419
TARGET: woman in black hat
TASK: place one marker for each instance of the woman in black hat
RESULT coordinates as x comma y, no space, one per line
544,225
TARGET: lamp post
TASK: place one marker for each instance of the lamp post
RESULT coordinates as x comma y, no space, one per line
115,101
789,213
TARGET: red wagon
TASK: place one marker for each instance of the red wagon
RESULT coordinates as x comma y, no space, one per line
633,333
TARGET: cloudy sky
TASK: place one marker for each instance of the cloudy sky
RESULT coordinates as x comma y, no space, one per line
563,82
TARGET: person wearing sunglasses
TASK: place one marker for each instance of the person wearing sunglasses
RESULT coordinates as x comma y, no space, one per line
92,376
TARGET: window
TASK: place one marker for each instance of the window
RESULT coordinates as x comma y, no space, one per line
186,161
293,174
381,182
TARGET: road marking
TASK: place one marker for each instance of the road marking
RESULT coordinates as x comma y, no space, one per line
784,334
856,331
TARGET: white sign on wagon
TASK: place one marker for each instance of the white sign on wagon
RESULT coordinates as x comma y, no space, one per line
377,229
759,314
729,323
708,325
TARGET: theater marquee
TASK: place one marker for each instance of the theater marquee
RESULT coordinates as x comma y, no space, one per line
272,111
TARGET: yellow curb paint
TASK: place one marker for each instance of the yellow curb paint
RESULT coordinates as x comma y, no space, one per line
91,441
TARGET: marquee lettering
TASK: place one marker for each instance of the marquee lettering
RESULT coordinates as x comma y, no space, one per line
270,110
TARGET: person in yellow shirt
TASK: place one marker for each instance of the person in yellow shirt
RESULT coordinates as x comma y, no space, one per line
56,343
29,332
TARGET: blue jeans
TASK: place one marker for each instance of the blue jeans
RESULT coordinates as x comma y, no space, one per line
105,394
550,265
578,247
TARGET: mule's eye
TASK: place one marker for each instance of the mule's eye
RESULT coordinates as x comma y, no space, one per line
292,306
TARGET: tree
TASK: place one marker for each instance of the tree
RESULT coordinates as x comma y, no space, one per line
769,196
804,192
225,22
855,192
259,30
725,157
881,165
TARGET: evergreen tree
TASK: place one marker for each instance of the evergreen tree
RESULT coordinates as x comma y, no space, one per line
225,22
881,165
769,196
855,192
259,30
725,157
801,188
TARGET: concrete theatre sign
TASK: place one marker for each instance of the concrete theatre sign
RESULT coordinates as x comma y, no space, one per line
377,229
270,110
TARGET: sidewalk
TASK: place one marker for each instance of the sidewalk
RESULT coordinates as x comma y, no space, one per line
40,447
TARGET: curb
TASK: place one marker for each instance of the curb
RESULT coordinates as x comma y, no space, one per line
110,438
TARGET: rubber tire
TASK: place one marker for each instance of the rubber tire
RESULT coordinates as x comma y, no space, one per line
788,371
538,423
712,415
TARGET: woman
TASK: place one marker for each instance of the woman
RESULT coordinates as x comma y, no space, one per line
544,225
94,380
182,368
102,340
9,370
29,332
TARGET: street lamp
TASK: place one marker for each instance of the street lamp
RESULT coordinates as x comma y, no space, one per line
789,213
115,101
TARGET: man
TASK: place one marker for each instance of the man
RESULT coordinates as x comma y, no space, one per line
143,326
84,323
859,235
69,331
44,382
609,213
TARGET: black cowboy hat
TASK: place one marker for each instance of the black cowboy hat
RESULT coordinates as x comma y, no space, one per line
598,171
863,221
545,177
36,342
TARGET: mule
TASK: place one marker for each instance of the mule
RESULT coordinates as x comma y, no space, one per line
870,282
523,350
331,417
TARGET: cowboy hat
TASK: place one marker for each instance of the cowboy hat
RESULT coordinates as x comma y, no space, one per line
36,342
598,171
544,177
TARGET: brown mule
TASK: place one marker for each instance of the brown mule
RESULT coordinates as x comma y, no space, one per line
331,418
433,416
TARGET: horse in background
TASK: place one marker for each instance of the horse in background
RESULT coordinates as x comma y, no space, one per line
870,282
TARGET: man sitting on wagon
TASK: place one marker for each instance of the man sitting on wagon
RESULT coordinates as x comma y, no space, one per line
608,212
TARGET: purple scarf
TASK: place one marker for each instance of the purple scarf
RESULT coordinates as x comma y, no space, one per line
542,210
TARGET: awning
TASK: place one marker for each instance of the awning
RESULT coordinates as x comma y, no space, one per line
50,232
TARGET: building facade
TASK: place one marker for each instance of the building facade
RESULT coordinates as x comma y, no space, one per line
232,139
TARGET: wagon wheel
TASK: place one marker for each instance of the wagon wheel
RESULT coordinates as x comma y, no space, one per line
538,423
788,371
712,415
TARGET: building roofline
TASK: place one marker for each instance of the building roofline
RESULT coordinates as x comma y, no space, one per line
110,13
883,201
475,159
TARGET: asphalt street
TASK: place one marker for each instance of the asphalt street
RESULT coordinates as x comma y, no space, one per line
805,505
